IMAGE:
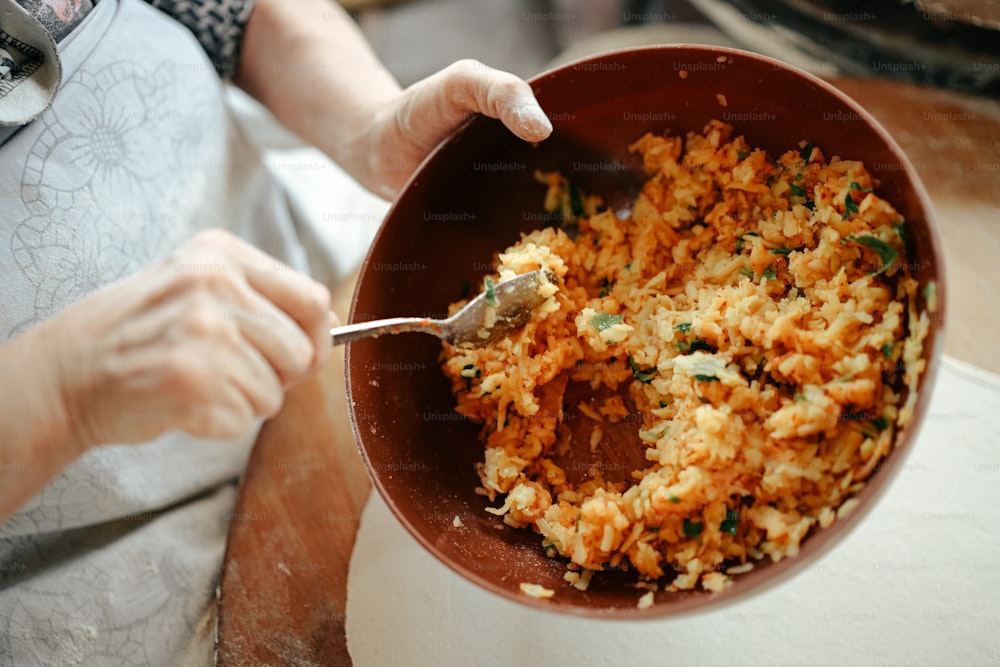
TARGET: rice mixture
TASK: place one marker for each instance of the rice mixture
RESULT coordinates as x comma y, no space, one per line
756,321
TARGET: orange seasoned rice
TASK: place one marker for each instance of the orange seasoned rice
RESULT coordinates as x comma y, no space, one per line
755,318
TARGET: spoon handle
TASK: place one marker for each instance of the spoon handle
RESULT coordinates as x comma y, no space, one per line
351,332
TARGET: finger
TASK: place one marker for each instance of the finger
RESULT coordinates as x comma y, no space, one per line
230,414
304,300
279,339
506,97
218,355
211,387
247,379
257,381
440,102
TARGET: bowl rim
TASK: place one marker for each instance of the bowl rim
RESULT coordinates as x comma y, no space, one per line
871,495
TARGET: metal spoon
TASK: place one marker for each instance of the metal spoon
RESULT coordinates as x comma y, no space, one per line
514,301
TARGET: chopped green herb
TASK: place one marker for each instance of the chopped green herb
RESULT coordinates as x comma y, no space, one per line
628,267
849,206
806,152
770,272
746,272
673,499
886,253
683,327
575,201
887,350
702,344
644,375
571,228
606,287
881,423
742,154
650,435
706,378
731,522
797,191
900,228
782,251
491,295
855,186
811,205
868,430
663,404
602,320
687,347
692,528
800,397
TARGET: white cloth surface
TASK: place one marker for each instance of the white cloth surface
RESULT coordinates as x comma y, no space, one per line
916,583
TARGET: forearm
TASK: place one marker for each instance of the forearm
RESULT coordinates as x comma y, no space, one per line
36,432
308,63
311,66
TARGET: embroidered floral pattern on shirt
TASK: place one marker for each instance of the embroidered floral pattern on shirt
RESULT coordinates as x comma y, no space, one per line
104,193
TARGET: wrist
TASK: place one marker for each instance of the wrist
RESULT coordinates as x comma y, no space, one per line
366,153
38,436
62,425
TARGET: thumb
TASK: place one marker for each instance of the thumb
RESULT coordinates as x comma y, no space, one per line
439,103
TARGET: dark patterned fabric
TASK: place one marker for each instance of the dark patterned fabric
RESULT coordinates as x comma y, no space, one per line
217,24
58,16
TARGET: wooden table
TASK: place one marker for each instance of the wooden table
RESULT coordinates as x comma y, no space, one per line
284,581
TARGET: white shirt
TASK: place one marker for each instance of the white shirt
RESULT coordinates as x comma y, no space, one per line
117,560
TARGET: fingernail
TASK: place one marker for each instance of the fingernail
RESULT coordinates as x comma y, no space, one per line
533,121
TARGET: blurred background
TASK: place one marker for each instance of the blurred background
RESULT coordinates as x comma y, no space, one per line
948,43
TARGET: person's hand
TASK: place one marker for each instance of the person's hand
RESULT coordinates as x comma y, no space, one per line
308,63
205,341
407,128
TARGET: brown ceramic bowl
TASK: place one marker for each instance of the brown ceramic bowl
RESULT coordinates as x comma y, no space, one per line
476,194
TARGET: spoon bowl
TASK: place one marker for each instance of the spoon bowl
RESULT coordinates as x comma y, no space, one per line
497,312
